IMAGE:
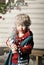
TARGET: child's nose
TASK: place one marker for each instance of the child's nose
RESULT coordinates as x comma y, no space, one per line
20,26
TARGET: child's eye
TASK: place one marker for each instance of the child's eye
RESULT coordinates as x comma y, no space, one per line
23,25
18,25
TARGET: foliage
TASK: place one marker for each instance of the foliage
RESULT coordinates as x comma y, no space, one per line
3,7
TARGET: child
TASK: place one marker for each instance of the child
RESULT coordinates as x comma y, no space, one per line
23,41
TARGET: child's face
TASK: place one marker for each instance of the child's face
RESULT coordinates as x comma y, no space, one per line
21,28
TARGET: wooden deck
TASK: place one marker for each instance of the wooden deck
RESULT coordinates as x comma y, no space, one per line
37,55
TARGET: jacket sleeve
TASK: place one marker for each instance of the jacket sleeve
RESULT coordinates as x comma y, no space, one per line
28,47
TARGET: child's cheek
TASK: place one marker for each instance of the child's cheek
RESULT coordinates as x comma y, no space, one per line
18,28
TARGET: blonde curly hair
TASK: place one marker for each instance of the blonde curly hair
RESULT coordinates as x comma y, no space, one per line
23,19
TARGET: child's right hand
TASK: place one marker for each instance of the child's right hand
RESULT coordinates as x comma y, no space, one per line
8,42
11,45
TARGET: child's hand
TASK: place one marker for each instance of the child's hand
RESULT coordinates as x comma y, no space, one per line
11,45
8,42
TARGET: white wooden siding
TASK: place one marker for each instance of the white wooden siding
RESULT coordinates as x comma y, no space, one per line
35,10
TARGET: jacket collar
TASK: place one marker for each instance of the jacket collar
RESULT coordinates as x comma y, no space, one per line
24,36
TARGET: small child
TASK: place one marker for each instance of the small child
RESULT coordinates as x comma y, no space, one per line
23,44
